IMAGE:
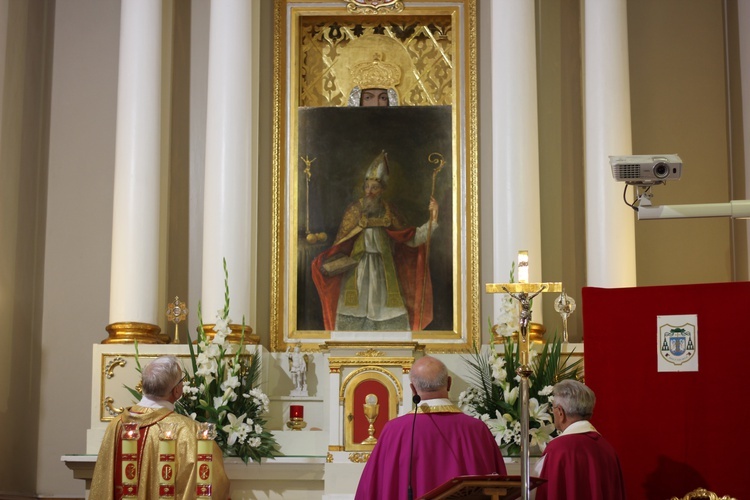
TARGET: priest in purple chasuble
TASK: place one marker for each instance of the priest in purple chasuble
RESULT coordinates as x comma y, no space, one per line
579,463
447,443
162,386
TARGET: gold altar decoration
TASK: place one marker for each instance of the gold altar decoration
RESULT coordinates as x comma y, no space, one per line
536,334
703,493
176,313
415,57
374,6
371,409
235,337
129,332
346,395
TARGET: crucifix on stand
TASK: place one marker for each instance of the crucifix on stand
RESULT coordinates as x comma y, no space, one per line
523,292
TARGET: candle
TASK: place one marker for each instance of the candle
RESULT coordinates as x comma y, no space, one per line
130,435
523,266
167,447
205,458
296,411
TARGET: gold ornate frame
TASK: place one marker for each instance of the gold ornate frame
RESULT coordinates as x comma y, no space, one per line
346,396
317,43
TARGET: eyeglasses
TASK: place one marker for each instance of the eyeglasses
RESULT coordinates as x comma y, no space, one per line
182,381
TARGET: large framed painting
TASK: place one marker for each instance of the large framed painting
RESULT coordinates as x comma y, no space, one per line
375,173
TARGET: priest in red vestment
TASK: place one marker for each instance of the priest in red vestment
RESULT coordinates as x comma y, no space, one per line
162,386
579,463
375,276
446,442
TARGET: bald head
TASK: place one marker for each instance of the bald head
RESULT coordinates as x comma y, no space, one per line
429,378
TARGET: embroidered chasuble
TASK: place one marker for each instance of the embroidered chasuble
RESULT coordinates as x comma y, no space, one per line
107,481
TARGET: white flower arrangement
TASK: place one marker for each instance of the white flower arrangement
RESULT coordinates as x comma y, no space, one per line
508,317
222,389
494,397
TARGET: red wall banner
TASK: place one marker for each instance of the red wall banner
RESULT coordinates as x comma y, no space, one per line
674,432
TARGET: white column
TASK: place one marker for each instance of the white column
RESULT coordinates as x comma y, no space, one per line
406,403
135,228
610,228
335,411
743,14
515,141
228,204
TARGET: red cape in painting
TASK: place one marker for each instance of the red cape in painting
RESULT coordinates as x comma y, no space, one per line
411,270
583,467
446,445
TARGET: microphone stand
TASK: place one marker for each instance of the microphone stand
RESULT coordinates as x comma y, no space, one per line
416,399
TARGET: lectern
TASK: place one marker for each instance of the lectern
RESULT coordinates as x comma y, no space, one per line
492,487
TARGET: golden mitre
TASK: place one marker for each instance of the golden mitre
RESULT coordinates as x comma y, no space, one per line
377,74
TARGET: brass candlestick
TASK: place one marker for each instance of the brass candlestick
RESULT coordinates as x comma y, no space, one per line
371,408
296,424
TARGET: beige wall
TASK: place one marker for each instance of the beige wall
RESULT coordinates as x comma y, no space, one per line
79,229
47,365
25,63
678,86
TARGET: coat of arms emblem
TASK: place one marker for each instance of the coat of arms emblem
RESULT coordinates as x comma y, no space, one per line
677,343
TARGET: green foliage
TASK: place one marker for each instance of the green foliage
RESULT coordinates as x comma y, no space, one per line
493,396
221,387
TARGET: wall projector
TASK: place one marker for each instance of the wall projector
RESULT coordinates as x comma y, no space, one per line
646,170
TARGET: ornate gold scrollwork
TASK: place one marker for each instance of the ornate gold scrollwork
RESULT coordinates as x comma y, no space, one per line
374,6
108,406
109,369
359,457
329,458
371,353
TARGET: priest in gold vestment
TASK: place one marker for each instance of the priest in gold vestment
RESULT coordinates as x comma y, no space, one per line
162,386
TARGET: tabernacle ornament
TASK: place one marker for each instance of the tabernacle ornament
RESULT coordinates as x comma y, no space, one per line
677,343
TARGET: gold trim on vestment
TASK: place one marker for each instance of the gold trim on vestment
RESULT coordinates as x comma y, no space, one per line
438,409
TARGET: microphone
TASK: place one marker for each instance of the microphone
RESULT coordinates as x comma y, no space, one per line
416,399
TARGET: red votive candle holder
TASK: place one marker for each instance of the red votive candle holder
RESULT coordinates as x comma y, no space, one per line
296,411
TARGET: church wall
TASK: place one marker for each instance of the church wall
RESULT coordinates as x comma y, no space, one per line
678,88
560,87
79,229
25,59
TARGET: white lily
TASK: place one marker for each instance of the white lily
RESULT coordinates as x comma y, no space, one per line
232,382
510,396
538,412
236,428
542,435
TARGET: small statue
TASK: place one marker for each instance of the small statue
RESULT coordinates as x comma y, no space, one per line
298,368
